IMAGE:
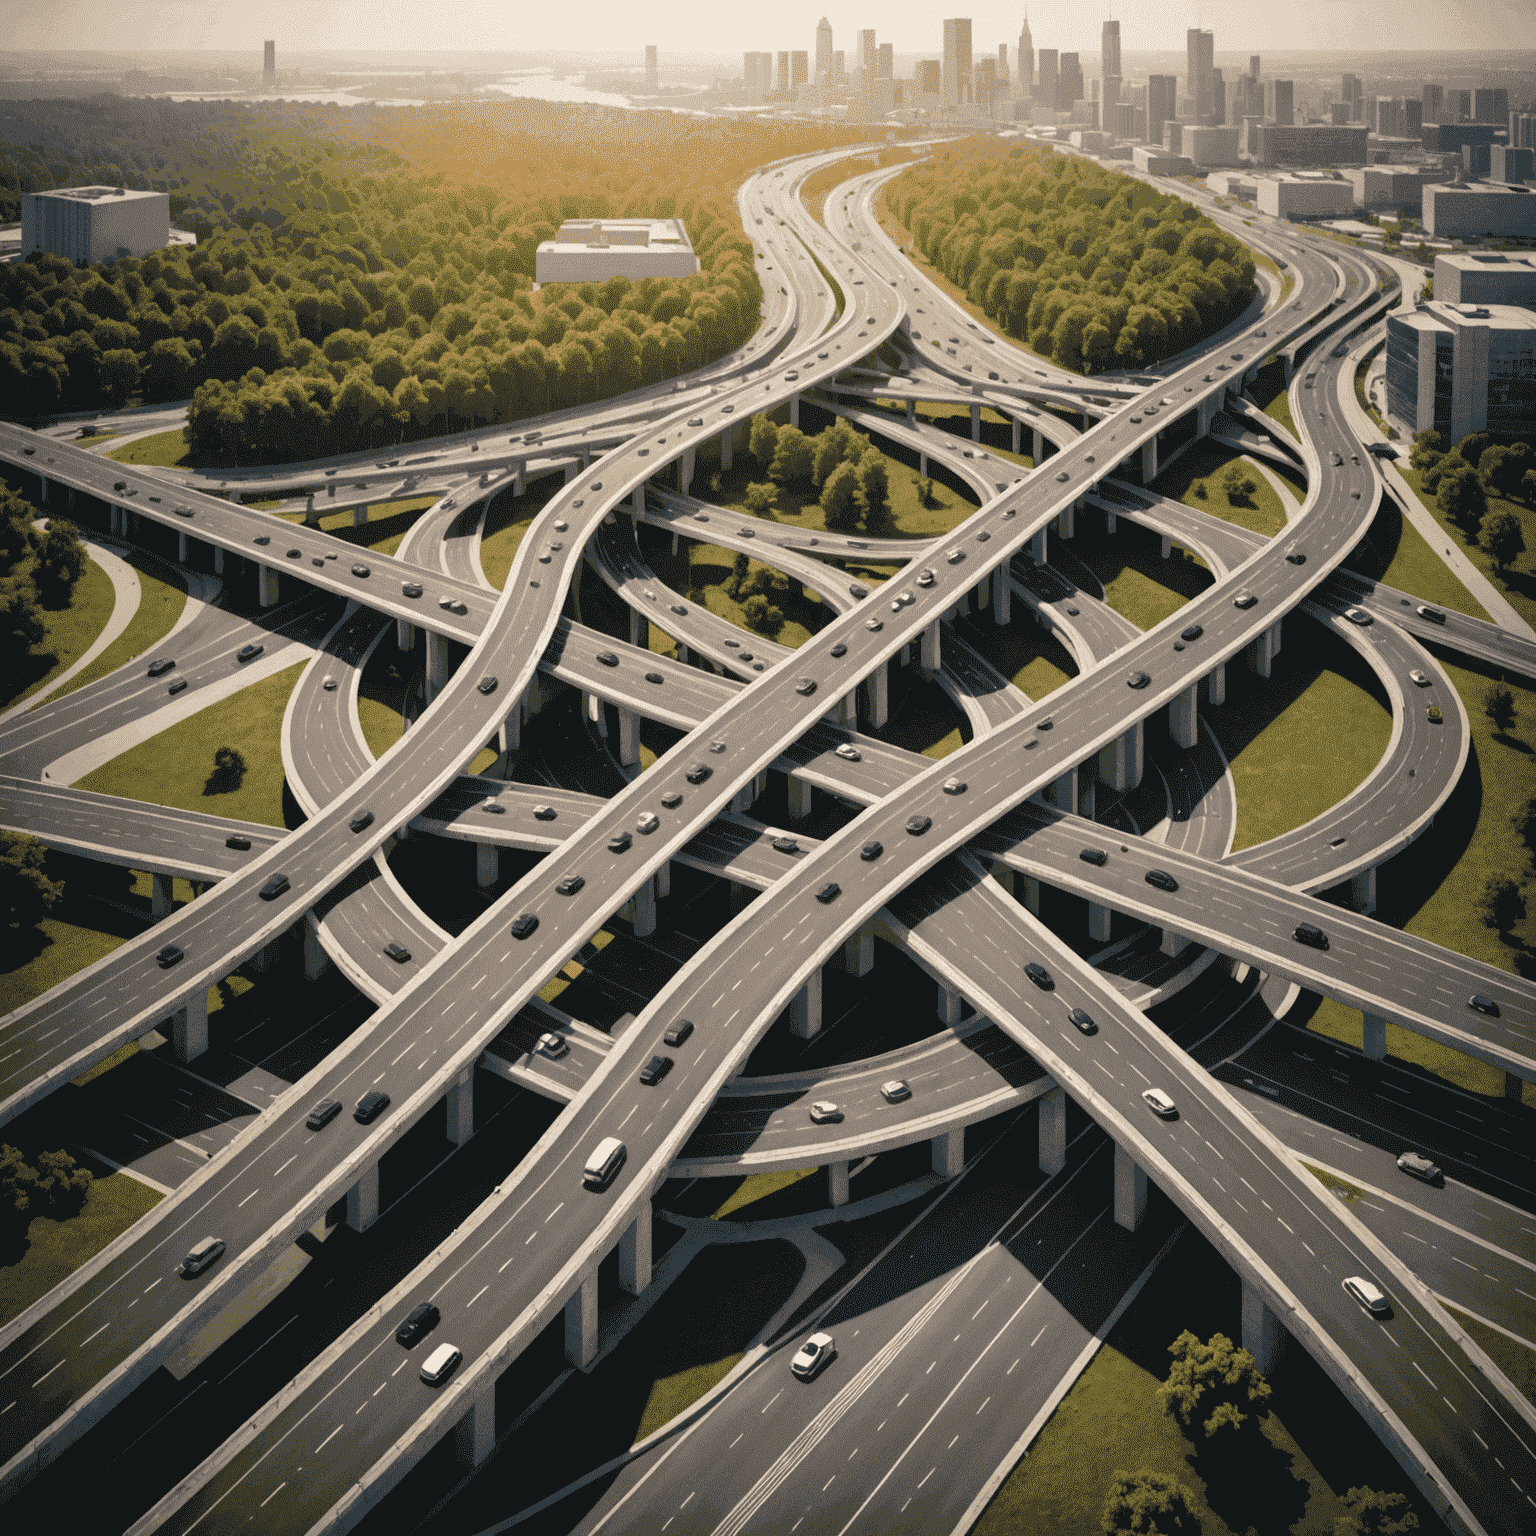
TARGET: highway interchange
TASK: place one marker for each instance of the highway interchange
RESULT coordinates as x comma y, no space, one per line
275,1180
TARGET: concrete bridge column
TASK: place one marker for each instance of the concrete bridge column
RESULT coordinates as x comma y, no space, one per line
360,516
1017,432
1037,547
1184,717
975,423
1375,1043
160,899
629,738
1263,1333
805,1009
1036,446
43,495
1216,684
581,1324
877,687
800,795
1088,789
727,443
1064,791
363,1200
316,961
635,1251
461,1108
189,1028
837,1184
951,1006
181,547
1110,521
474,1437
1276,630
487,865
1053,1132
1362,890
1002,597
949,1153
437,664
848,709
569,473
637,500
859,949
1120,762
1100,922
265,958
1149,460
1261,654
1173,944
685,470
983,593
218,559
1206,415
663,879
311,517
645,911
1130,1190
794,409
405,635
1031,894
911,413
1165,549
922,463
266,585
928,655
519,477
510,732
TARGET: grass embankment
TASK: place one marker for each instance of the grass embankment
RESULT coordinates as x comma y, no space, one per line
706,569
93,439
1203,465
996,429
67,634
177,765
1287,282
1303,740
1269,390
388,523
507,522
1431,889
1400,557
165,450
1034,662
1362,373
1311,1447
1518,583
1137,581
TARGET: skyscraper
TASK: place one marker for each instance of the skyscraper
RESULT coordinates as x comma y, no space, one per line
1218,112
1162,104
1109,61
1047,97
781,81
957,61
885,62
1200,48
1490,105
757,75
1433,102
269,65
1285,103
799,68
823,51
865,52
1351,90
651,82
1253,66
1002,68
1026,60
1069,82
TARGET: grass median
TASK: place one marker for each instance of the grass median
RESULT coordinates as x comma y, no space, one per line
164,450
68,633
1201,467
1398,555
1138,582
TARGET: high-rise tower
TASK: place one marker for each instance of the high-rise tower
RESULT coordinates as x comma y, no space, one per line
1109,61
956,87
1026,65
652,82
269,65
824,51
1201,51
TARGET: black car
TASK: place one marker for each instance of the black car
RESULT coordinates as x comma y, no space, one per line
160,667
678,1033
1041,977
295,554
619,842
540,812
1093,856
362,821
397,952
1434,615
1192,632
839,649
1295,556
570,885
785,845
1137,680
179,686
487,685
607,658
871,851
654,677
419,1322
500,810
1483,1004
261,538
696,773
411,588
274,887
1161,879
360,570
1244,600
672,799
523,925
237,841
1311,935
805,686
917,825
1083,1021
370,1107
655,1069
323,1113
169,956
249,652
829,892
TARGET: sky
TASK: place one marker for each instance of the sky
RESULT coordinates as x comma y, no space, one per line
704,26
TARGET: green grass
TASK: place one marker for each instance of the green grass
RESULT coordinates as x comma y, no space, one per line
56,1249
1400,557
758,1186
1362,373
507,523
168,450
40,958
1302,741
388,523
1517,1361
67,634
1269,389
1287,282
90,442
996,429
1033,661
922,717
1137,581
1204,463
176,765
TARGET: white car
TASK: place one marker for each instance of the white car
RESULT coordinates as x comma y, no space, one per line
1371,1297
954,786
814,1356
1419,678
1357,616
849,753
825,1112
1160,1102
647,822
552,1045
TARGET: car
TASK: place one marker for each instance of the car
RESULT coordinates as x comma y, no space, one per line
849,753
619,842
1244,600
839,649
1433,715
249,652
329,684
1381,450
1041,977
1063,477
362,821
397,952
440,1364
201,1256
1191,632
655,1069
856,590
540,812
874,626
179,686
805,686
1295,555
917,825
322,1114
829,892
925,577
896,1091
419,1322
792,375
814,1356
370,1107
293,554
1160,1103
361,570
1370,1296
671,799
785,845
678,1033
654,677
274,887
239,840
647,822
695,421
1137,680
452,605
1417,1166
602,1166
1161,879
570,885
169,955
1434,615
411,588
1418,678
871,851
160,666
551,1045
725,410
825,1112
261,538
523,925
607,658
1337,460
1357,616
696,773
1093,856
487,684
1083,1022
1483,1004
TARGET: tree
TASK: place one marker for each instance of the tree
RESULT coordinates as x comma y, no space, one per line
738,573
1428,447
1501,538
762,438
840,499
56,1187
119,374
1500,906
1462,500
1218,1377
1147,1503
791,456
21,622
923,485
60,562
1524,823
761,497
1198,489
761,616
874,495
1499,706
26,891
1238,484
1370,1513
1502,467
228,772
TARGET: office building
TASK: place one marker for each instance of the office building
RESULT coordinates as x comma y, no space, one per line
1486,211
839,73
1458,368
864,51
1109,62
1218,112
1312,144
1069,82
1340,113
1413,116
1432,102
1490,105
1304,197
1460,104
1161,162
1162,104
1510,164
95,224
799,68
1522,130
269,65
1026,61
1119,118
781,78
652,82
984,84
885,62
1352,92
1486,277
1003,79
1283,106
928,77
824,52
1474,159
1200,53
593,250
1400,187
1208,144
1047,93
1448,138
956,89
757,75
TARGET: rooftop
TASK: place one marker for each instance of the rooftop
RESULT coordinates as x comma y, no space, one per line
98,194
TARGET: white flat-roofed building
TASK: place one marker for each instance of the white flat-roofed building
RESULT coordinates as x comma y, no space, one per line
1393,186
95,224
1486,277
593,250
1461,368
1161,162
1304,197
1485,208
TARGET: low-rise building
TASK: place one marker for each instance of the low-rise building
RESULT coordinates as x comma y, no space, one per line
1486,209
1304,197
95,223
593,250
1486,277
1312,144
1394,186
1238,184
1210,146
1460,368
1159,162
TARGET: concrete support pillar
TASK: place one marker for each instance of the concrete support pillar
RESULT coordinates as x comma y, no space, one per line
859,949
635,1252
800,796
1375,1043
474,1436
265,958
975,423
685,470
848,709
1088,789
1184,717
360,516
928,654
629,738
1030,895
805,1010
266,585
1216,684
581,1324
1016,430
911,413
519,477
160,900
1066,521
1053,1132
1263,1332
218,560
181,547
727,444
837,1184
1100,922
311,517
1362,890
189,1028
1173,944
316,961
44,493
487,865
878,694
1261,654
1205,416
1149,461
405,635
663,879
437,664
1038,548
509,734
363,1200
1064,792
645,911
461,1108
983,594
1275,634
1002,597
1165,548
949,1153
1036,446
1130,1190
637,500
569,473
1110,522
922,464
1120,762
950,1005
794,409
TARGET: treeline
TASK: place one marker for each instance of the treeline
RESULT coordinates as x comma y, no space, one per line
854,482
1092,269
55,1187
38,570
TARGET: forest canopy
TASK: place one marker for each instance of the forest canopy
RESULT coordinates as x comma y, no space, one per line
1091,268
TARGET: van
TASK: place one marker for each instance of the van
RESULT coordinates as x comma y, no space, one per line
440,1364
201,1257
606,1160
